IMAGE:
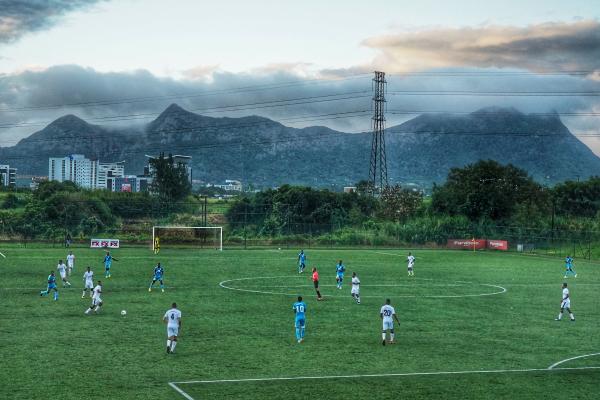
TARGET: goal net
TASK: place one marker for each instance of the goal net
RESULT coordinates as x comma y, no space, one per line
204,237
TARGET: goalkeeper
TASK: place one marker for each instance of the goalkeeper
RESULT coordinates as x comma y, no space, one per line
156,245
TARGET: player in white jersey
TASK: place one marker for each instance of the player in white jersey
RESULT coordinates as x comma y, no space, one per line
96,299
88,282
565,303
173,320
411,264
355,291
62,270
388,314
70,263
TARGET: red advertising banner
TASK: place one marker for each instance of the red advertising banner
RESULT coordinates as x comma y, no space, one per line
497,245
468,244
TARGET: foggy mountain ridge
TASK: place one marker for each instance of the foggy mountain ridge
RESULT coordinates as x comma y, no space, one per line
266,153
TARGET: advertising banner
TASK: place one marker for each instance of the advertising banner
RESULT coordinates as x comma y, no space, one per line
467,244
104,243
497,245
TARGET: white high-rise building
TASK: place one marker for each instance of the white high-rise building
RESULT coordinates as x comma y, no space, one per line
107,174
75,168
8,175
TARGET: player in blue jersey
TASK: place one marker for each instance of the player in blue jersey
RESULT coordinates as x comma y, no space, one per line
569,267
299,308
339,274
301,261
108,259
51,285
158,276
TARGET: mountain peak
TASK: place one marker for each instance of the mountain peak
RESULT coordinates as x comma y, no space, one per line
173,115
174,108
69,121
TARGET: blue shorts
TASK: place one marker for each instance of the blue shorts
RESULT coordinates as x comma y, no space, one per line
106,266
157,278
51,286
340,275
300,323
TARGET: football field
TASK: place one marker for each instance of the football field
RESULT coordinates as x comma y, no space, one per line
472,326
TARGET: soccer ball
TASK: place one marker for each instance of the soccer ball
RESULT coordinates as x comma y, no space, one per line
123,313
279,248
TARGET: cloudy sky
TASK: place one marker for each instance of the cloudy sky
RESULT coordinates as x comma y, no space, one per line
306,62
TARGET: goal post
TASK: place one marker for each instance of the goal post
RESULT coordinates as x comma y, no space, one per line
191,235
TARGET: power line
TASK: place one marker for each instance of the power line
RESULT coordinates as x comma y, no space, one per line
242,89
536,114
324,136
491,93
229,108
280,85
496,73
128,117
223,127
298,119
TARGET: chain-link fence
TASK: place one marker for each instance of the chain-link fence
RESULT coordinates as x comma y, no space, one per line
430,234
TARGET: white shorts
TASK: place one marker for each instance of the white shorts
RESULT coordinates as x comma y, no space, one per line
566,303
388,325
89,285
172,331
63,275
97,302
355,291
70,265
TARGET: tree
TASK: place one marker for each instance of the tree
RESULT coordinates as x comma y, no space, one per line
170,180
399,203
487,189
578,198
11,201
365,188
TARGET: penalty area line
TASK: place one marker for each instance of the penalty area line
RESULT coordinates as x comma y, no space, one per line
181,392
175,386
553,366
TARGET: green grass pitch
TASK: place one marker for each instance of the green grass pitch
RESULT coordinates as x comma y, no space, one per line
52,350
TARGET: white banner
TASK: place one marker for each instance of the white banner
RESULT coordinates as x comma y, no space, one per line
104,243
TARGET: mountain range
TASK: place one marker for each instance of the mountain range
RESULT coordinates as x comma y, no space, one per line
265,153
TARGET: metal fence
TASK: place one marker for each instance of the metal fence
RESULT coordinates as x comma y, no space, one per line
294,235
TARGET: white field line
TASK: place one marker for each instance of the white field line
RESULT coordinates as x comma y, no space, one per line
373,285
224,283
504,253
553,366
393,254
549,284
113,290
181,392
175,386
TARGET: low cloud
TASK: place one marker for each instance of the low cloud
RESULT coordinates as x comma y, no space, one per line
18,17
27,98
543,47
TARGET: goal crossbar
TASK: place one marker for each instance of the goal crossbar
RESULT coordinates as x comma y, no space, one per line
219,228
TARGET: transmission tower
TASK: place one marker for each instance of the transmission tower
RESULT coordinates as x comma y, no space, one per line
378,173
